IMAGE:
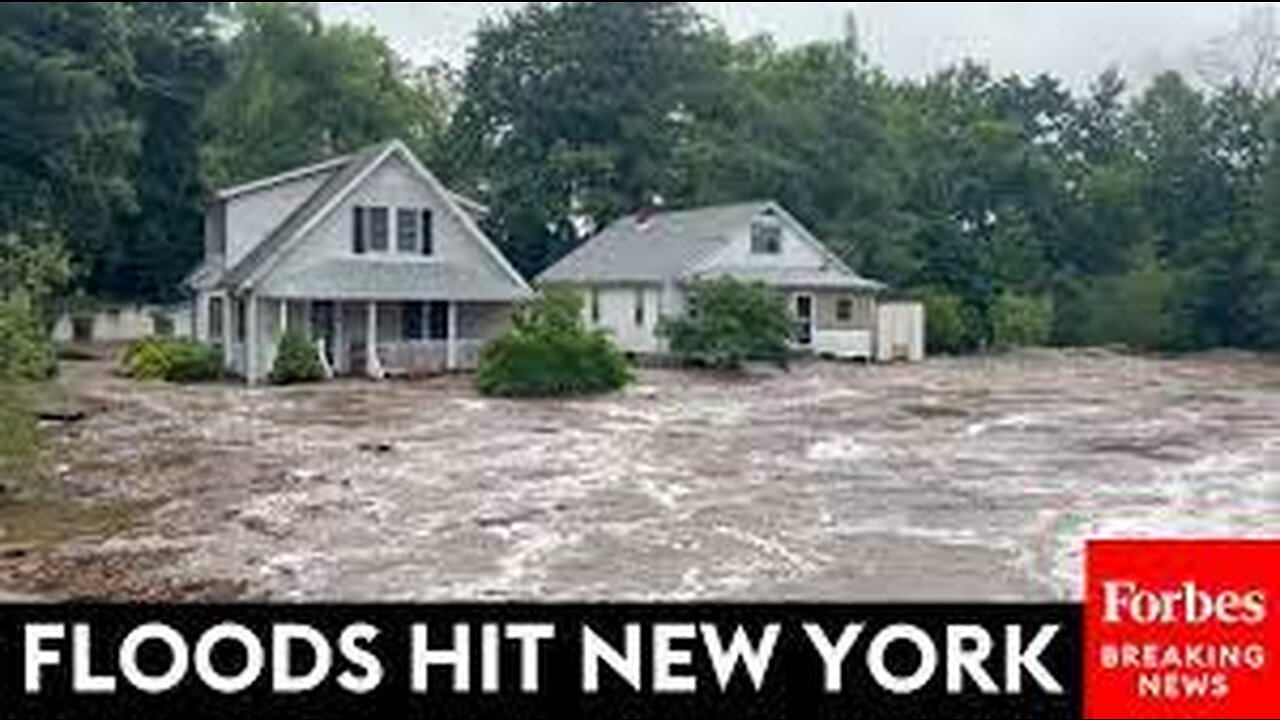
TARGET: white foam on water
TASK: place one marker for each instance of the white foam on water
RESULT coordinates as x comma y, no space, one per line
839,449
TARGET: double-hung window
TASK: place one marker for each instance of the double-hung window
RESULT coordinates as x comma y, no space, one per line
371,230
379,229
408,231
844,310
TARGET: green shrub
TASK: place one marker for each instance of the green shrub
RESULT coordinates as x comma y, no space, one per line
177,361
146,360
26,352
191,362
19,443
297,361
550,353
1021,321
952,327
729,323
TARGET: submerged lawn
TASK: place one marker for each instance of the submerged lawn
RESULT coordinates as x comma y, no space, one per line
971,479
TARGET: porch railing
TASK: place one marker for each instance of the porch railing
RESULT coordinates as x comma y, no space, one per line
428,357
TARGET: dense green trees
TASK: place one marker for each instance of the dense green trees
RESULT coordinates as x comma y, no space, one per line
178,62
115,118
298,91
65,137
572,113
1141,215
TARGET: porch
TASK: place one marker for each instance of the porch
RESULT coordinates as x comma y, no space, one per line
376,339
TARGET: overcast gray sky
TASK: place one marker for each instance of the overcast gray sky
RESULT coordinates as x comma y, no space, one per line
1075,41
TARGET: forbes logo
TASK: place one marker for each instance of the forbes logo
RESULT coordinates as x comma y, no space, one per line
1128,602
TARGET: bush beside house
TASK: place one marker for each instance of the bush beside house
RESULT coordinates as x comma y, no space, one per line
729,323
177,361
549,352
297,361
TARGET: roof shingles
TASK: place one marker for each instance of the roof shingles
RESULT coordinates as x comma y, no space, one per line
673,246
363,279
663,247
336,184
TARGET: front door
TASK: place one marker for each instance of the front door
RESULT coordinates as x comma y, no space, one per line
804,320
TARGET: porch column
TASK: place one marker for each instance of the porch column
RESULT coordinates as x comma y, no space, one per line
251,338
371,340
451,352
228,331
284,317
339,349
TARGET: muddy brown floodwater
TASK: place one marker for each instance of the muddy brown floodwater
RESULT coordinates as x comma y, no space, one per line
974,479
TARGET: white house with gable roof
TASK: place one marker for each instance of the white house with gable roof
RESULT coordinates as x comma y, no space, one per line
368,255
639,269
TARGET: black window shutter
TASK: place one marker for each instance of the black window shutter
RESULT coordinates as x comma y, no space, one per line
428,233
359,242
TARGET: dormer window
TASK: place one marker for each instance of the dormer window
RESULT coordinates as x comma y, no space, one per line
384,230
766,236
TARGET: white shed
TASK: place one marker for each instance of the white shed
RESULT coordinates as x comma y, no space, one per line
900,333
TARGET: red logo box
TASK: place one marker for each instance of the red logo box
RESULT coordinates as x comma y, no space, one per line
1182,629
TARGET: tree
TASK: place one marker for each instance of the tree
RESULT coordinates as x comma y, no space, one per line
809,127
66,139
570,116
178,60
1185,195
1020,321
951,326
1248,57
984,186
1098,131
299,92
33,269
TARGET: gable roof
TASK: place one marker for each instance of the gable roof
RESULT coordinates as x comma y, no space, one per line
665,246
327,166
679,245
340,182
347,176
255,186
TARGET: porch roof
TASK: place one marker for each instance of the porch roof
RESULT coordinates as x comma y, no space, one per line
363,279
822,278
